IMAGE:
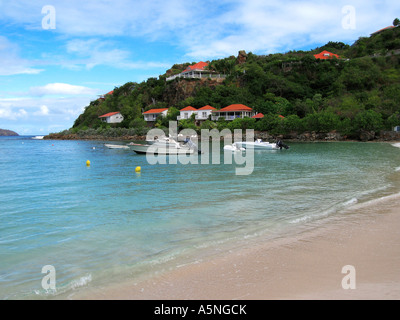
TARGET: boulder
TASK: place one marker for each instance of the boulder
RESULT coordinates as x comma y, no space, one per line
242,57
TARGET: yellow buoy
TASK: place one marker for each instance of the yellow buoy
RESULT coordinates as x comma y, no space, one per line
138,169
88,163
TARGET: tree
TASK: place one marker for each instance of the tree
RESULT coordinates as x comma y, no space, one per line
368,120
396,22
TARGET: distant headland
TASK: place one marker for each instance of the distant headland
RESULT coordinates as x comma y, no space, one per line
4,132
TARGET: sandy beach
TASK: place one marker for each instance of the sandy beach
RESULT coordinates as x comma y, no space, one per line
304,266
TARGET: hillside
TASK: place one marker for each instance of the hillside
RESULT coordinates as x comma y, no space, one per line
8,133
358,92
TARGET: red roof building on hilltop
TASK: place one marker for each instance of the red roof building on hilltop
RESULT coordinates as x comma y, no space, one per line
102,97
197,66
326,55
197,70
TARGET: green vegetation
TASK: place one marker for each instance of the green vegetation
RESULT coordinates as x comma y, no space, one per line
358,92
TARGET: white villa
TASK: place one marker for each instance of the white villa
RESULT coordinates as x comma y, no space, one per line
186,113
204,112
232,112
197,70
112,117
151,115
200,114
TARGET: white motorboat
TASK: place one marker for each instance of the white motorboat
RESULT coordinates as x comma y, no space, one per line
116,146
261,145
165,146
233,147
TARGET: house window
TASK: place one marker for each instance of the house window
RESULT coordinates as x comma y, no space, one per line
204,114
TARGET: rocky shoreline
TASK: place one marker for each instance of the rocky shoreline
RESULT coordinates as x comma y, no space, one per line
293,137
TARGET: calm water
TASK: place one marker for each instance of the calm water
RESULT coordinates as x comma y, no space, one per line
105,223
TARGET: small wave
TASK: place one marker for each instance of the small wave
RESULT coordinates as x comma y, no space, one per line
350,202
380,200
332,210
73,285
397,145
81,282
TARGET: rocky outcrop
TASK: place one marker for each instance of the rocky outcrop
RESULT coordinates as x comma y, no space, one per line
179,90
8,133
242,57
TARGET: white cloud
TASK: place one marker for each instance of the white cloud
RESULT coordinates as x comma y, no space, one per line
202,29
9,113
43,111
275,26
62,89
44,114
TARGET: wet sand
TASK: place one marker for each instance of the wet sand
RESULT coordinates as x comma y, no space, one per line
303,266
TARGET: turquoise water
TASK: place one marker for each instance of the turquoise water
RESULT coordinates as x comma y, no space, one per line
104,224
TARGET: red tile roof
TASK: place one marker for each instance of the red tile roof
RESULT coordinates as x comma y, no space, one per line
102,97
207,107
199,65
155,111
258,116
325,55
108,114
235,107
189,108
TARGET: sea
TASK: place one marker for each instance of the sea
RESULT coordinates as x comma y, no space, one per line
67,228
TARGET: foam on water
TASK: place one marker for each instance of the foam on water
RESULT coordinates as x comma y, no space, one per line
397,144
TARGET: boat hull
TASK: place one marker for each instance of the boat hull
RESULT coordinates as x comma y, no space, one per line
257,145
116,146
159,150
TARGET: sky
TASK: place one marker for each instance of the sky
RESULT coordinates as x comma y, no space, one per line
57,56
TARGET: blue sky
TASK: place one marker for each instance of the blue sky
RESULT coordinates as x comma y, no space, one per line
57,56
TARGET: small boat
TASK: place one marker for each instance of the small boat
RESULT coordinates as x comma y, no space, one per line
166,146
116,146
233,147
261,145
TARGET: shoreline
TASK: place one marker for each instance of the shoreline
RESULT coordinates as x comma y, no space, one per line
303,266
386,136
